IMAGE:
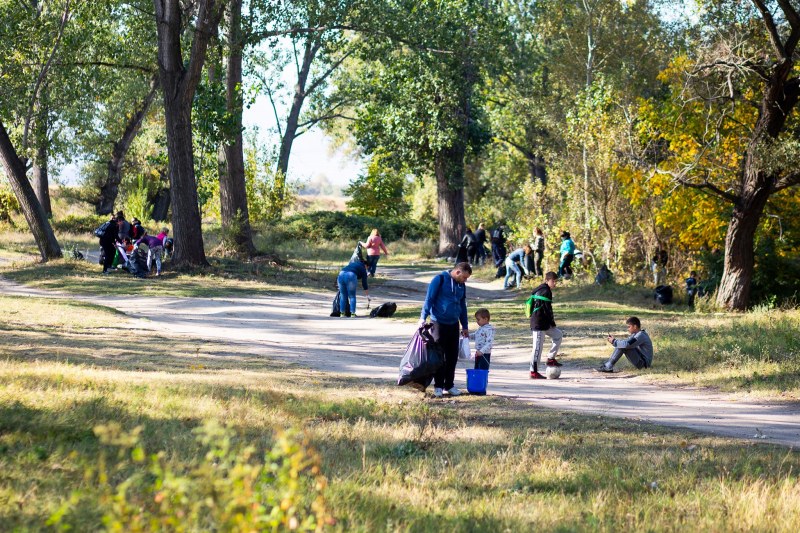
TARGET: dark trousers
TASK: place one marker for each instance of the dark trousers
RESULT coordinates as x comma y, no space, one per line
565,268
108,254
482,361
537,263
447,337
372,263
633,355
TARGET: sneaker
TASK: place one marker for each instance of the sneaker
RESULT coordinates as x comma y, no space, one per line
438,392
536,375
552,362
454,392
604,369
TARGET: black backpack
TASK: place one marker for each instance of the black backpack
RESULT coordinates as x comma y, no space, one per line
101,231
663,294
384,310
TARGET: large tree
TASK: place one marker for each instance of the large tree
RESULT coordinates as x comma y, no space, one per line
737,139
179,80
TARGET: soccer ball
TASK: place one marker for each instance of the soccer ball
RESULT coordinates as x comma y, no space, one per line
553,372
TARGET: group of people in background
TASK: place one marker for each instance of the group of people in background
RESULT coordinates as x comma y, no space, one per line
119,238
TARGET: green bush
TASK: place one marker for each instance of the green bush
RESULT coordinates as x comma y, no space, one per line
335,225
8,205
229,487
79,223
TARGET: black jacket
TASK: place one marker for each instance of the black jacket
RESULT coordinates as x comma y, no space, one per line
480,236
111,235
542,318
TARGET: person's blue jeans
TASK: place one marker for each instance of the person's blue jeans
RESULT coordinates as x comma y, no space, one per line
512,269
348,283
372,263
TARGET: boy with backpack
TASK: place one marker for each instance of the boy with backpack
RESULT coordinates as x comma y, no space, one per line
539,308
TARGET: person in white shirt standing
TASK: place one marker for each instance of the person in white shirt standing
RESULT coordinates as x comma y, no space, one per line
484,338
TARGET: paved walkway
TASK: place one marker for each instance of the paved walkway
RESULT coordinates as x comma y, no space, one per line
297,327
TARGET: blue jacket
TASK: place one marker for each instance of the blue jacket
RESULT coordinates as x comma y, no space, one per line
567,247
358,268
446,301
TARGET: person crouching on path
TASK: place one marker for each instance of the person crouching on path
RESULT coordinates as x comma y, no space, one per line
446,305
543,323
638,348
348,281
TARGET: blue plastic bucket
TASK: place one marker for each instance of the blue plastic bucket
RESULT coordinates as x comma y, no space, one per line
477,380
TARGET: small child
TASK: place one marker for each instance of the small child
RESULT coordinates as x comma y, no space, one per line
484,338
691,287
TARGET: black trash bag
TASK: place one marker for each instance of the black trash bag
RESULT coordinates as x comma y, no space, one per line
663,294
527,265
384,310
461,255
335,311
102,256
358,254
137,263
501,271
423,358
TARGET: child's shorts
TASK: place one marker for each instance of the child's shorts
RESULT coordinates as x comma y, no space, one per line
482,361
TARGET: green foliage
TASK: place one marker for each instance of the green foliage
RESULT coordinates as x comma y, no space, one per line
378,192
264,203
137,203
79,223
8,204
335,225
229,487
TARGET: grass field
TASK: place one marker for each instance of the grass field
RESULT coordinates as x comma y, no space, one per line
104,426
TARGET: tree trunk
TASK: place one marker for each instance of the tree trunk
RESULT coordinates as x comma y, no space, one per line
232,188
31,208
110,189
40,177
179,82
310,52
449,170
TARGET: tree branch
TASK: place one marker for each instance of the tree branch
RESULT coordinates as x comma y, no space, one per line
787,181
308,124
209,14
121,66
774,36
705,184
43,73
314,84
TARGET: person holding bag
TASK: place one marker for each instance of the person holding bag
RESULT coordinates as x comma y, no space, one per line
446,305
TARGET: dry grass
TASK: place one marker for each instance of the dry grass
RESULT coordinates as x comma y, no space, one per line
394,461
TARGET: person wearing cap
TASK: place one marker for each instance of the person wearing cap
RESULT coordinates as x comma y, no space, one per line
567,255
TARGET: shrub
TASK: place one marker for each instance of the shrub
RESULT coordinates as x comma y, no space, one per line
8,205
79,223
226,487
335,225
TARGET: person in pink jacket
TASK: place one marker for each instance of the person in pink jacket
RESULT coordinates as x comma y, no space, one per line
374,245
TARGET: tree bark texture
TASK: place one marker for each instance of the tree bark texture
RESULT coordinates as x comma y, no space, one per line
40,175
31,208
449,170
290,133
232,188
179,82
110,189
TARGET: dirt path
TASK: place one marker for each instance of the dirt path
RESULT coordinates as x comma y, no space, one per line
297,327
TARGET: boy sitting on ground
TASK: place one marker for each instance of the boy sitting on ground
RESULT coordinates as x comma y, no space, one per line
638,348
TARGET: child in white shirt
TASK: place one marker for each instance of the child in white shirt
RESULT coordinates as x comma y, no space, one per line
484,338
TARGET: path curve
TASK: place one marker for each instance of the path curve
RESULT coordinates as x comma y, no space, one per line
297,327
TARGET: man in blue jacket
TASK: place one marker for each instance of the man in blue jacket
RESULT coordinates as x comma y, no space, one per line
446,304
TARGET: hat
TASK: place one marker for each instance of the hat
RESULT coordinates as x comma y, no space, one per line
565,235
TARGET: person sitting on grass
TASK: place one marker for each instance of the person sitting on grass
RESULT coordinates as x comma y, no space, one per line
543,323
638,348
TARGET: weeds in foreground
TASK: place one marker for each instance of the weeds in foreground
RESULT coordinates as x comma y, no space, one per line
393,460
